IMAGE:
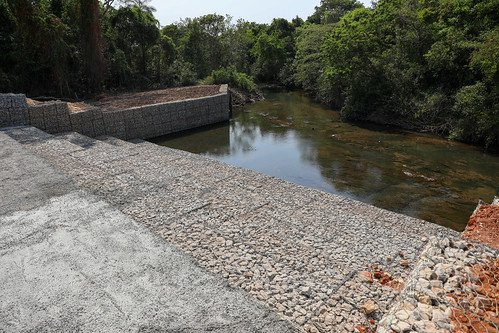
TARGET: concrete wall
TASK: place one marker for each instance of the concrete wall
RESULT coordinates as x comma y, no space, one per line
140,122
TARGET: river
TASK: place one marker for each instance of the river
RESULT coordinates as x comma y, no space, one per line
291,137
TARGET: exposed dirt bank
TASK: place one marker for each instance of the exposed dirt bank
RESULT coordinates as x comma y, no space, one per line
483,225
240,97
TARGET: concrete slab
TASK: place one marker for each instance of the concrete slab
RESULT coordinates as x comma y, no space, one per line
75,264
26,182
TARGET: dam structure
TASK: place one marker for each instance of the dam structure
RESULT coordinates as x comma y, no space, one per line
103,231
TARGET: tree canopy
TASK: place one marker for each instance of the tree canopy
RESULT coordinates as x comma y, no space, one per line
429,65
416,64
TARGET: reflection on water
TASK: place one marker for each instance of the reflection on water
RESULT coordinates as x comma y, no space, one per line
290,137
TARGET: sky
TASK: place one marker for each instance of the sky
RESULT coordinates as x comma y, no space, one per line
261,11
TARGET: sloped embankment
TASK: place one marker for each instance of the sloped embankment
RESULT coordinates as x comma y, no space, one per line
455,285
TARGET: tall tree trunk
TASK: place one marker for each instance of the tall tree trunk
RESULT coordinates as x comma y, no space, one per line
92,45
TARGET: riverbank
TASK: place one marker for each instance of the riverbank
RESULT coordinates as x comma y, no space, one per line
419,126
483,225
241,97
384,121
323,262
452,289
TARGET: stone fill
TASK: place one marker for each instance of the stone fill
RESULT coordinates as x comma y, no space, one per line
300,251
129,116
13,110
70,262
454,288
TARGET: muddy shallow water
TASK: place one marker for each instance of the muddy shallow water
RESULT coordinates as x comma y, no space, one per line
290,137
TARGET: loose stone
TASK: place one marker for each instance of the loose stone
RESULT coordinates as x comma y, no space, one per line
369,307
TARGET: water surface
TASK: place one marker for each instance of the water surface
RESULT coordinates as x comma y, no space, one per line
290,137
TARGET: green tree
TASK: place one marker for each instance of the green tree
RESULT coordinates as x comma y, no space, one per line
203,42
476,115
34,52
419,64
331,11
135,32
346,51
240,41
309,62
7,46
270,54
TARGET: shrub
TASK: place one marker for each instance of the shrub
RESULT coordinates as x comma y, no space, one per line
181,73
232,77
477,116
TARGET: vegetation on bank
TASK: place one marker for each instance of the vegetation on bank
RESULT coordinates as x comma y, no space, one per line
234,78
429,65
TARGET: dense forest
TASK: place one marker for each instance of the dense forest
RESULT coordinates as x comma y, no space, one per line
428,65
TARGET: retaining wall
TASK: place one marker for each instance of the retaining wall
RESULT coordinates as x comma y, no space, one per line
13,110
142,122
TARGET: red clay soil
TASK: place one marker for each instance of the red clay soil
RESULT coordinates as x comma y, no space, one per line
371,328
483,226
477,311
130,100
377,274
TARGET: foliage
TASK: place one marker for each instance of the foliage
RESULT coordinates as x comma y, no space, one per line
135,32
181,73
232,77
331,11
477,115
34,49
422,64
76,48
270,57
429,65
